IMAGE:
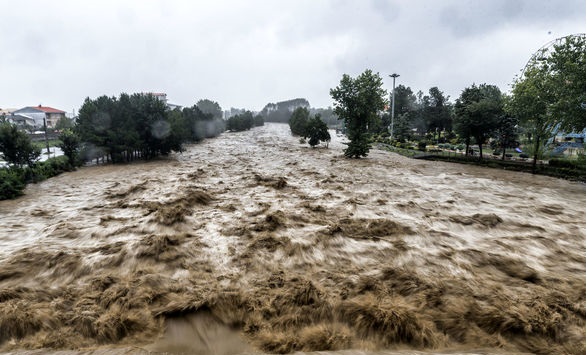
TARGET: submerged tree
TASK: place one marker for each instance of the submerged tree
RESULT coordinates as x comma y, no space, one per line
298,121
358,102
316,131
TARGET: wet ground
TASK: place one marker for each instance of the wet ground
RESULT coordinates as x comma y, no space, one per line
253,242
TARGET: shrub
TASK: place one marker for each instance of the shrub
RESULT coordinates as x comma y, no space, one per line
11,184
422,146
524,155
564,163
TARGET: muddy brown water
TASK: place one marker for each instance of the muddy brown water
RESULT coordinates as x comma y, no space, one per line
255,243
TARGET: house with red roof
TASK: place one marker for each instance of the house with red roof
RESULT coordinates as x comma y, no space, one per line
42,113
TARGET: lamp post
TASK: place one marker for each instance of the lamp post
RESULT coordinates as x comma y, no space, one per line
394,75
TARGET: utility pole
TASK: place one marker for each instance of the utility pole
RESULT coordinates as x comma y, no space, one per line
394,75
46,140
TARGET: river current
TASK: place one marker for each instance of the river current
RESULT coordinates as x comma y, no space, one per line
255,243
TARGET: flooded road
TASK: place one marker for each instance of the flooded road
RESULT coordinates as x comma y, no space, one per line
252,242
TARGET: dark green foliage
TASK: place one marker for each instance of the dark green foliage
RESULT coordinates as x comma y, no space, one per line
16,146
210,107
14,180
11,183
70,145
478,111
358,102
242,122
131,126
259,121
298,121
316,131
506,133
422,146
551,93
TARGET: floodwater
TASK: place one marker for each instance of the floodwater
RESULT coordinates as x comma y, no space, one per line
255,243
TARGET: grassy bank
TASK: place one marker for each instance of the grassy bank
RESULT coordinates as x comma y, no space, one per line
560,168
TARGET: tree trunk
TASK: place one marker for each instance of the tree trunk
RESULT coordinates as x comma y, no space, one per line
503,154
480,151
536,146
467,142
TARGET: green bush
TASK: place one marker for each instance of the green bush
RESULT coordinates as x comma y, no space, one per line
564,163
11,184
422,146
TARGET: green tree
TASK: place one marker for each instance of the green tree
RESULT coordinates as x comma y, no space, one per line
551,93
210,107
477,113
566,67
63,123
298,121
316,131
16,146
506,133
358,102
70,145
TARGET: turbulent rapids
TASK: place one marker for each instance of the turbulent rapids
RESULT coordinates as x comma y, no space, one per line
252,242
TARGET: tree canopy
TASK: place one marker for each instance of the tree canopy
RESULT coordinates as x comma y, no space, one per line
550,94
477,113
358,102
16,146
316,131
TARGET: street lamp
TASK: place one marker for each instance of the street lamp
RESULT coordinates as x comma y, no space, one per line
394,75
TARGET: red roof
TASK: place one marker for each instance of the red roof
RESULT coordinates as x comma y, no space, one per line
47,109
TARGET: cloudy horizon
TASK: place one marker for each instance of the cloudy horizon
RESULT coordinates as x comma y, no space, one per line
246,54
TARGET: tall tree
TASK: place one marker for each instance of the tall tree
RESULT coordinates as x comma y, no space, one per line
298,121
16,146
551,93
70,144
478,111
210,107
358,102
316,131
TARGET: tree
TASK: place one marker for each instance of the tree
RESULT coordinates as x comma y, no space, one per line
316,131
210,107
298,121
477,111
438,113
567,82
70,144
551,93
16,146
357,102
506,132
63,123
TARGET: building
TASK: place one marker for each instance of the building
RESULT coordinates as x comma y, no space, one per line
41,113
22,121
161,96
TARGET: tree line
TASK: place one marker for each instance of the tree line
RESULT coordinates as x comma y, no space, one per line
550,96
114,129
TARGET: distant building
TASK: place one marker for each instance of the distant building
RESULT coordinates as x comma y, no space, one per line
22,121
163,97
6,111
40,113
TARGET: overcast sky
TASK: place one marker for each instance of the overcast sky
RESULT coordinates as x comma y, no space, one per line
245,54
